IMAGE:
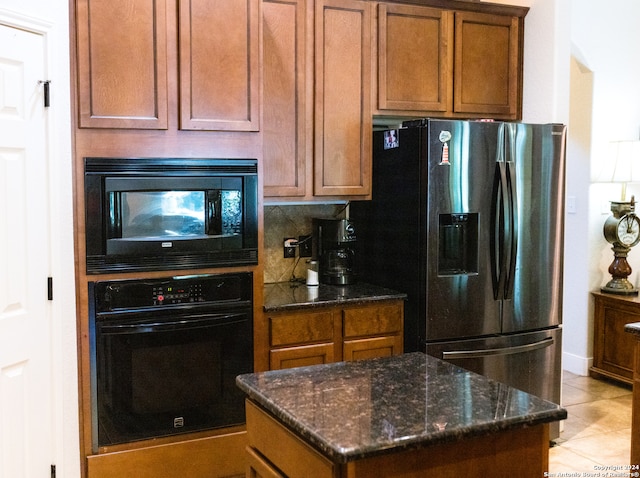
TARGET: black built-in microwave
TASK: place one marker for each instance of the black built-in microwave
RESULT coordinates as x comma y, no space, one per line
145,214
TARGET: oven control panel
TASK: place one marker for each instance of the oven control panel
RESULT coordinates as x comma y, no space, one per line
177,290
177,293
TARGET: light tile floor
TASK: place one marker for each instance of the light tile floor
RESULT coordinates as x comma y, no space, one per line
597,431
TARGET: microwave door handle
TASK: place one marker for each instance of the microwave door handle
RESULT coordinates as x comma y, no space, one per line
173,325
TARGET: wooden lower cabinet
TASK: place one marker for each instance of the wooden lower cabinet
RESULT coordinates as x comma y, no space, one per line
212,457
612,346
332,334
275,451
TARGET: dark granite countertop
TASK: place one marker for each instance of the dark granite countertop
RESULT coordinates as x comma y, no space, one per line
296,295
354,410
633,328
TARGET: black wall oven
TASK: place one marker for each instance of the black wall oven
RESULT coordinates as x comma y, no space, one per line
165,354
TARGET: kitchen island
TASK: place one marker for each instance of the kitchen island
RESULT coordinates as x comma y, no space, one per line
395,416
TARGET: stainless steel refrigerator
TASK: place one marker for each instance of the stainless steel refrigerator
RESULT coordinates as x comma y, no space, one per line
467,219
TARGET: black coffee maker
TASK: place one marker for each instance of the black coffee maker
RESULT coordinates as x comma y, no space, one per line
334,246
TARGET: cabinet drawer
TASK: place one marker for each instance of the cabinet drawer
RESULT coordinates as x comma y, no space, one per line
373,347
301,328
375,320
301,356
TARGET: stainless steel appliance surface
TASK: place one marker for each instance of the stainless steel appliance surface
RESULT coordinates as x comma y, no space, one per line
467,219
334,243
165,354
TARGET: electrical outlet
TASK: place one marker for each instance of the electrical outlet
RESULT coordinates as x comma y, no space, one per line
304,246
289,246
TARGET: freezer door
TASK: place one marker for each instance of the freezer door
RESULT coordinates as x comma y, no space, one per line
461,164
534,295
529,361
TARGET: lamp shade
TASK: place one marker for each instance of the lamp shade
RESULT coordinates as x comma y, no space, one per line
622,164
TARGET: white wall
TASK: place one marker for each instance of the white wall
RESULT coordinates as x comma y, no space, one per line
605,41
55,15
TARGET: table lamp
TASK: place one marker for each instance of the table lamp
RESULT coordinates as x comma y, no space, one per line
622,228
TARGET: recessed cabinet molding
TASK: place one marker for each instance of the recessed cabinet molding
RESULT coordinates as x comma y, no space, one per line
329,334
122,64
487,73
219,65
288,102
449,63
415,46
317,108
127,72
343,114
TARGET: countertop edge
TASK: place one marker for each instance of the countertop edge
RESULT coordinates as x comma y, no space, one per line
331,296
343,454
347,455
633,328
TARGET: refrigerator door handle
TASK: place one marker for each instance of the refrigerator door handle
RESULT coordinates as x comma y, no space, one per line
499,238
511,231
470,354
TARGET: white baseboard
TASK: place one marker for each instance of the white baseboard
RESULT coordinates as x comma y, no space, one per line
576,364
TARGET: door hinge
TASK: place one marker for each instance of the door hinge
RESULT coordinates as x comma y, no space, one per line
49,288
53,471
47,97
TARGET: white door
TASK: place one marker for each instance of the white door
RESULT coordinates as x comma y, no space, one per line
25,330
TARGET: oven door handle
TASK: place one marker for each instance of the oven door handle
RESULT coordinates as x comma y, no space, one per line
172,325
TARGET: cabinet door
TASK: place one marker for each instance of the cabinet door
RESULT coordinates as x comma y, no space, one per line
415,58
287,119
122,64
219,69
487,64
343,113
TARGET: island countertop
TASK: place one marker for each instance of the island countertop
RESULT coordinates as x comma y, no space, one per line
354,410
281,296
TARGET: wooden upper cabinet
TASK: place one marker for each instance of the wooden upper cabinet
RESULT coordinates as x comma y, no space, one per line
487,73
122,64
415,55
451,64
343,112
219,65
287,112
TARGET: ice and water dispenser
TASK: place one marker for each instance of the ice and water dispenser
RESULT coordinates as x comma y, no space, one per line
458,244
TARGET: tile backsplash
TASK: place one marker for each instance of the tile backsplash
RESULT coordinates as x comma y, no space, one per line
291,221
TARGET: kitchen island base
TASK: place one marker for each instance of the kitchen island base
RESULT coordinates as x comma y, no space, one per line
275,451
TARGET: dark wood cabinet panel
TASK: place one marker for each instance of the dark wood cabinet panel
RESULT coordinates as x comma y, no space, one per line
124,48
317,98
287,112
487,64
219,65
122,64
330,334
415,58
343,113
613,348
433,61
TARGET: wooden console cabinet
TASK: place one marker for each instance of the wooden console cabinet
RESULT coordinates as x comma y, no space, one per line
332,334
633,331
612,347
